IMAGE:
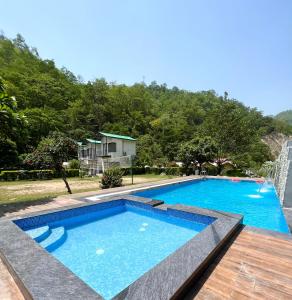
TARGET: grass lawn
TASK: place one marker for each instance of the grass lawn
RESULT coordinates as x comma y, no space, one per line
44,190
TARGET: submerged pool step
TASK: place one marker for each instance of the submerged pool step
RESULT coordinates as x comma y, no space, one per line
39,234
55,239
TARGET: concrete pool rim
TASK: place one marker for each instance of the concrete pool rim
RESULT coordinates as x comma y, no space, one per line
40,276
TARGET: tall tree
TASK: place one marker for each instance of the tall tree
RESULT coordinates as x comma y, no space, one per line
11,122
149,151
197,151
234,128
52,152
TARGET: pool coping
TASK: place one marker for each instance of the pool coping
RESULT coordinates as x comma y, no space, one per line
41,276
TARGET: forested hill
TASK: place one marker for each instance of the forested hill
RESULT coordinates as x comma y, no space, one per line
285,116
160,117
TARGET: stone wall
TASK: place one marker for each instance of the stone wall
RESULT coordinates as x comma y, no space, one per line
283,175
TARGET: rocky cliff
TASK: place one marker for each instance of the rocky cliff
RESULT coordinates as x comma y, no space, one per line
275,142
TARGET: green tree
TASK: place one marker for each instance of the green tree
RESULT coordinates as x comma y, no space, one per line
11,122
8,153
197,151
10,119
55,99
285,116
148,151
52,152
233,127
42,121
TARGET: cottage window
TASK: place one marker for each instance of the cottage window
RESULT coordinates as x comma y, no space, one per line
112,147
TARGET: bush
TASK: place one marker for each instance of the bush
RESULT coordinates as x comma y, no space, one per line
72,172
34,174
136,171
9,175
82,173
235,173
266,169
154,170
74,164
111,178
37,175
211,170
173,171
188,171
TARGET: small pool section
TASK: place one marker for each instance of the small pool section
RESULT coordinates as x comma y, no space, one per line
115,243
257,202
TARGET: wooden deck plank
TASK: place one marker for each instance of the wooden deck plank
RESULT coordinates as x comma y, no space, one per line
252,266
8,288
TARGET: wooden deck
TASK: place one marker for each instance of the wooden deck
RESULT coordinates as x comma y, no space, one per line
8,288
252,266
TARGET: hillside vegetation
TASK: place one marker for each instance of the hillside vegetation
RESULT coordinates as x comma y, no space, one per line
162,118
285,116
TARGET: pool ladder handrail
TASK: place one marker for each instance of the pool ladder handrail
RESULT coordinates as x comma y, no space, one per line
203,173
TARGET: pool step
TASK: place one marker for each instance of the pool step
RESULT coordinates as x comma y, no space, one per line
39,234
57,237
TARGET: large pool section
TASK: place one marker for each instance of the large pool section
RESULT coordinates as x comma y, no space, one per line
111,247
256,201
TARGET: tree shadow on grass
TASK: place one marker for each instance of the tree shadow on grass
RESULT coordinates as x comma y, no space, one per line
17,206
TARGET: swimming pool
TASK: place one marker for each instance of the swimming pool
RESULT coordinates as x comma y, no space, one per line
111,247
257,202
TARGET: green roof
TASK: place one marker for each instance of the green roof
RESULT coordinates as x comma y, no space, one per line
93,141
116,136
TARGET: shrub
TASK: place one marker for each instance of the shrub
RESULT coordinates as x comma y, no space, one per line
188,171
82,173
266,169
235,173
34,174
112,178
173,171
136,171
211,170
154,170
9,175
74,164
72,172
171,164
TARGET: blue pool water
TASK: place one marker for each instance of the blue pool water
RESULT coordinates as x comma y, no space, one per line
258,203
111,248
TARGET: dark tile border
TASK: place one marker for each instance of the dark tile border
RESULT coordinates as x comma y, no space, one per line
41,276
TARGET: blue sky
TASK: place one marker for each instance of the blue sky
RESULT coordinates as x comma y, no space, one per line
240,46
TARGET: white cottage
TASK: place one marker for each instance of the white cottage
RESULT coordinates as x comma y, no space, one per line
111,150
114,145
